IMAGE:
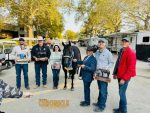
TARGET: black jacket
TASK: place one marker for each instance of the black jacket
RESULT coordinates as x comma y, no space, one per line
40,52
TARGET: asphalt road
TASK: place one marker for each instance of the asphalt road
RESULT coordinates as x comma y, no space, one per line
138,94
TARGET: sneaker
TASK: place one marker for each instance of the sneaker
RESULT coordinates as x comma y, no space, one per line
98,109
80,78
95,104
18,88
84,104
44,86
36,87
117,110
28,88
54,87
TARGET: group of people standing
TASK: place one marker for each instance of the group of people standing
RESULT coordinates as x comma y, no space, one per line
94,66
41,55
98,67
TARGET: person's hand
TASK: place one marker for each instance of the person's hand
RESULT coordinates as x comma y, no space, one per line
29,60
94,75
82,66
74,60
114,77
16,59
36,59
122,82
46,58
42,59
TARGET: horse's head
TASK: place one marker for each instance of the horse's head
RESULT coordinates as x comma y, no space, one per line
67,56
95,48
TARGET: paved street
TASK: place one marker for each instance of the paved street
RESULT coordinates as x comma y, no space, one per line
138,93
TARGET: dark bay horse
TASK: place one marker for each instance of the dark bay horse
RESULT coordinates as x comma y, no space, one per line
70,53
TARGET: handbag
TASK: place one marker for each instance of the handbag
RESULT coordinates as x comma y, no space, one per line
56,66
103,73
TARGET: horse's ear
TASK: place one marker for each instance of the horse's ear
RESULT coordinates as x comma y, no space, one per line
63,44
69,43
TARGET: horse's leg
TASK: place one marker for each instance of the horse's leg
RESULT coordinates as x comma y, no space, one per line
65,86
69,76
72,79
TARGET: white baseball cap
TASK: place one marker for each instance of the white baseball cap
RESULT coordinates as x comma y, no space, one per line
40,38
126,39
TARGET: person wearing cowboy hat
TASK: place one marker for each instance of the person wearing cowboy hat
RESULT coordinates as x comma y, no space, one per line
40,54
88,67
22,57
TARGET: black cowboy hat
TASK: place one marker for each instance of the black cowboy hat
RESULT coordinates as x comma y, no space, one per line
90,48
21,39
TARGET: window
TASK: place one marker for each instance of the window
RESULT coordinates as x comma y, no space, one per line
146,39
21,29
131,39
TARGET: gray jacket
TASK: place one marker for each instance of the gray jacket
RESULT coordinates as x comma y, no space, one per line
104,60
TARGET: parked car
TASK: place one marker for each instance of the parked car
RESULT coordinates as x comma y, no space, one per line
3,64
7,49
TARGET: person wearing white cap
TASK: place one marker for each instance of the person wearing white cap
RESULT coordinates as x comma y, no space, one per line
40,54
104,63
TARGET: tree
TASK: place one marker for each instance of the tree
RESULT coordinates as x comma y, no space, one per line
51,27
1,22
28,13
138,12
100,16
70,35
43,15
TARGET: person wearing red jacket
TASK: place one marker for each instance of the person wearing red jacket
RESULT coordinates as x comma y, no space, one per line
125,68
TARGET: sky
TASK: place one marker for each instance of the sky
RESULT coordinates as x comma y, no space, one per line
69,23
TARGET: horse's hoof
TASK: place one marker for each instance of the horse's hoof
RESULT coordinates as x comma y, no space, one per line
65,87
72,89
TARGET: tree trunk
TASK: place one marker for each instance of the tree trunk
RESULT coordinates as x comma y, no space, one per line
146,24
30,35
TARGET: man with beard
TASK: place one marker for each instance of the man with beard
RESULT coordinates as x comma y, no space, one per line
22,57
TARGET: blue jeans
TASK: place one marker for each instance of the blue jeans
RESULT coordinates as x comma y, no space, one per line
87,91
55,76
20,67
122,94
102,98
38,67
